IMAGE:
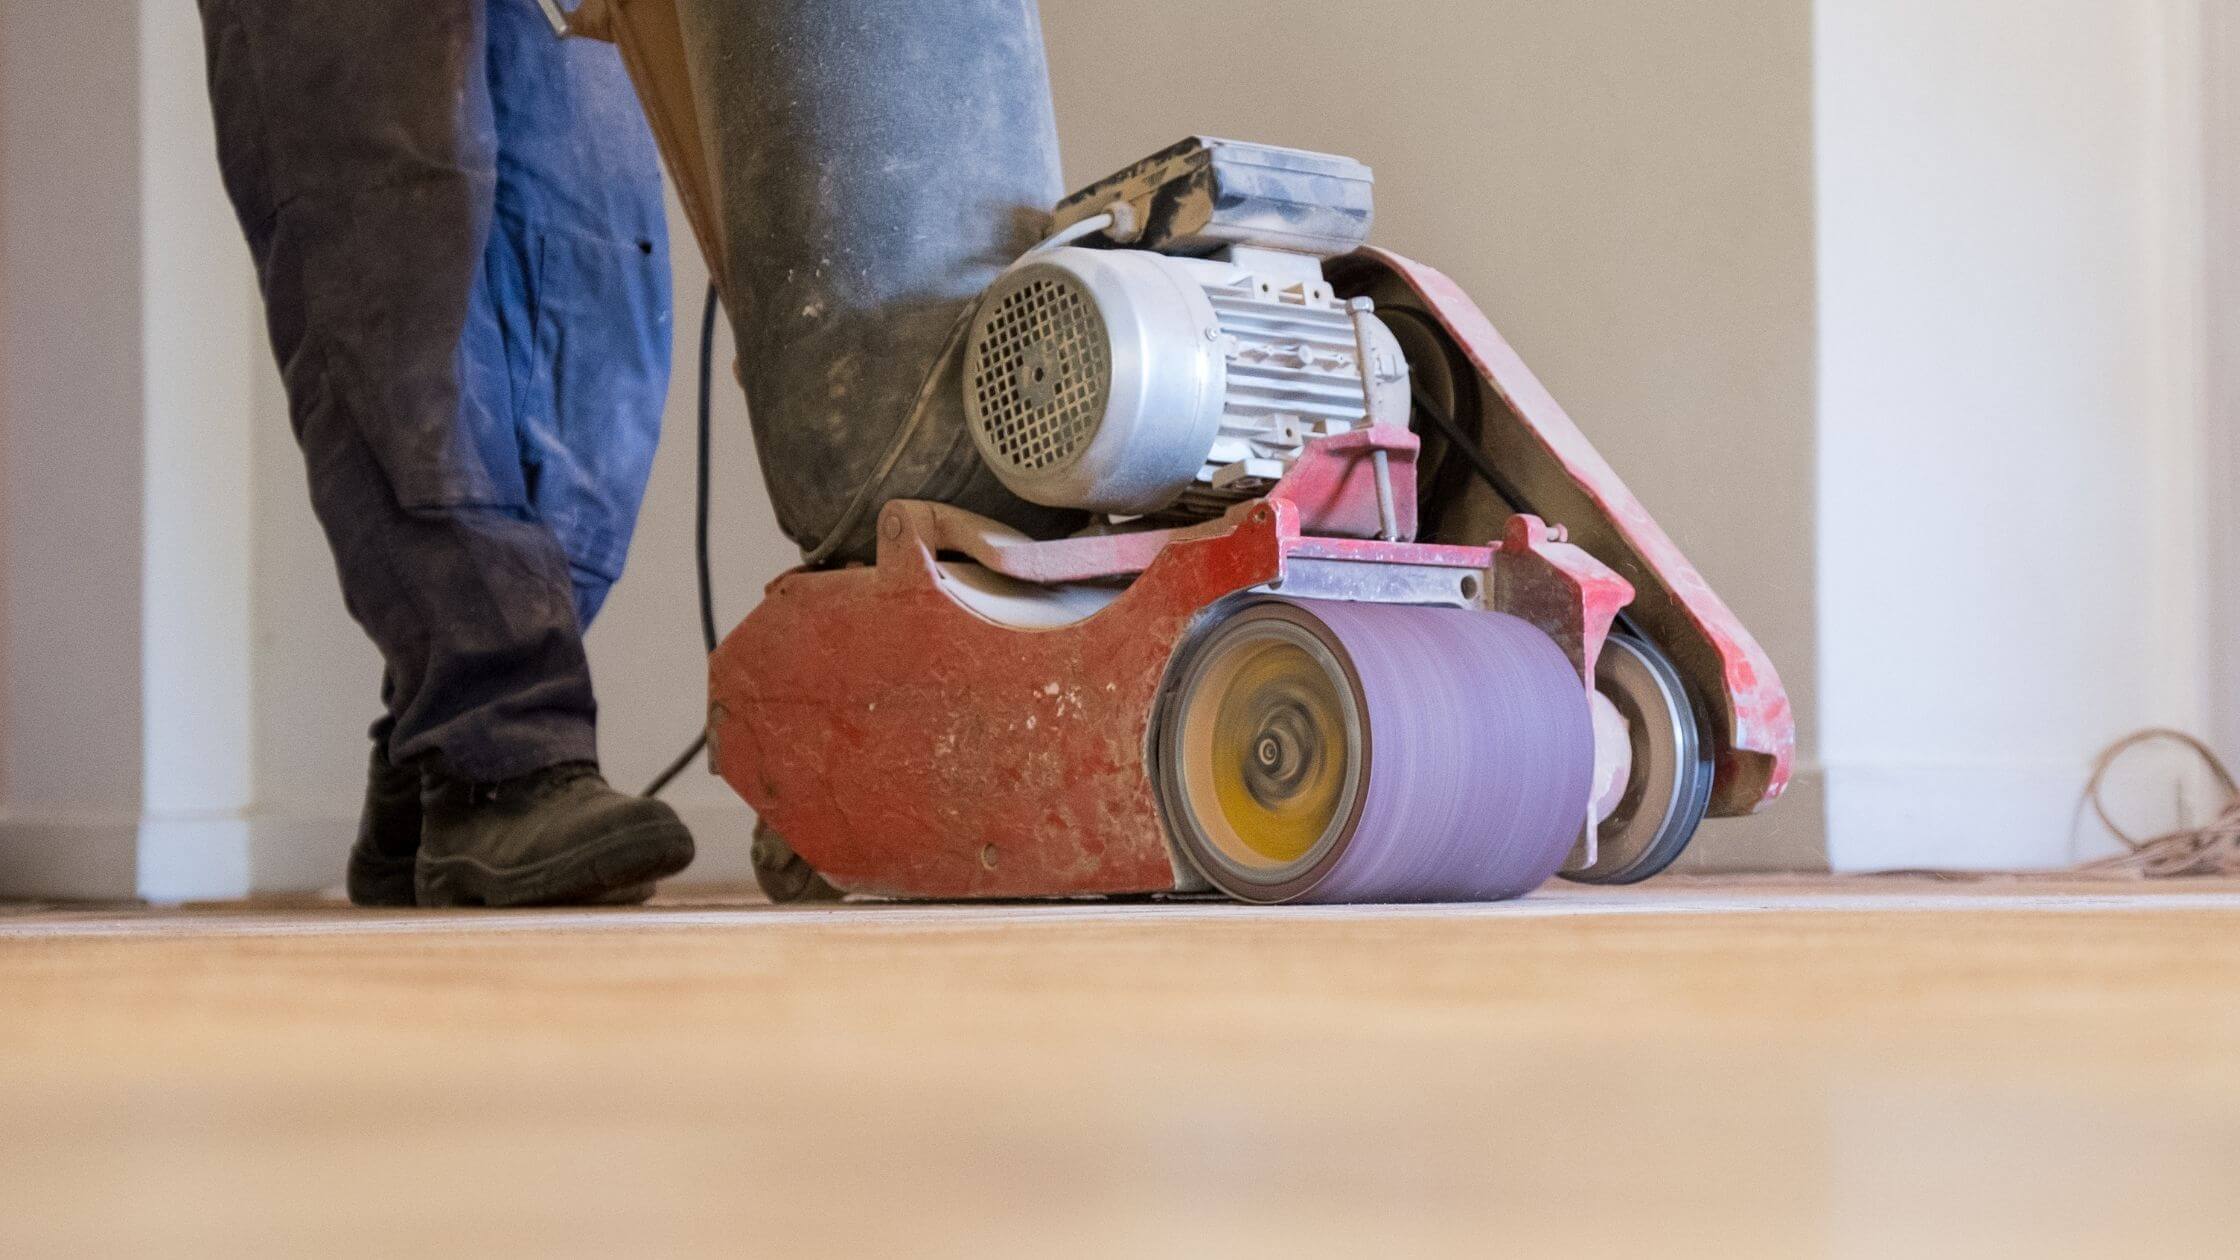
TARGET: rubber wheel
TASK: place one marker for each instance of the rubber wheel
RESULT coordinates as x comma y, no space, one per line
1661,809
784,876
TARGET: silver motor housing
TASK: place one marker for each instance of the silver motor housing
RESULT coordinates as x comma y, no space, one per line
1131,382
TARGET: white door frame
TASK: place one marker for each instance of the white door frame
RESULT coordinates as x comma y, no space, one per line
2220,484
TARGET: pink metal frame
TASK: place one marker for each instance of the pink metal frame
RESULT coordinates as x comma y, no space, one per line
1752,728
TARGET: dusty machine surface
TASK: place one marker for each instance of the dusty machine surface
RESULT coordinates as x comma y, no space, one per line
1274,571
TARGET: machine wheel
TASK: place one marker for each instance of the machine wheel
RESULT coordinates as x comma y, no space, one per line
784,875
1670,785
1313,750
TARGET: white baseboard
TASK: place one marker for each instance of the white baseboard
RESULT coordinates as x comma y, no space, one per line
1791,834
1998,817
723,835
2016,817
69,857
169,859
1842,818
302,849
197,857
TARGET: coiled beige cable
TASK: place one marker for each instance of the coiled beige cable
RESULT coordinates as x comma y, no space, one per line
2212,848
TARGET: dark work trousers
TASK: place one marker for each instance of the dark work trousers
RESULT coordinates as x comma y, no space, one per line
456,220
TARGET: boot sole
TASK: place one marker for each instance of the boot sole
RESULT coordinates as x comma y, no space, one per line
381,884
391,888
619,869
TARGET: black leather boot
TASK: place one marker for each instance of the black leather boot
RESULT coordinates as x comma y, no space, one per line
559,836
380,870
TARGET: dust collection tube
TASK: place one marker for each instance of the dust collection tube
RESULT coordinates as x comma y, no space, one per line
878,164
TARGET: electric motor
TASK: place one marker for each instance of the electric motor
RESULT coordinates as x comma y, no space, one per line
1131,382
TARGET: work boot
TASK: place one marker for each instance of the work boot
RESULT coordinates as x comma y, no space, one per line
557,836
380,870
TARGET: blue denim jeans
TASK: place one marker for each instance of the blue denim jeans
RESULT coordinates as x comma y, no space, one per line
457,225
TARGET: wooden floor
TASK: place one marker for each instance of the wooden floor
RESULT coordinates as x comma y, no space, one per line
1865,1068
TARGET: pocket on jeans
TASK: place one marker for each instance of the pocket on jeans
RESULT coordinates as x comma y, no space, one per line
593,420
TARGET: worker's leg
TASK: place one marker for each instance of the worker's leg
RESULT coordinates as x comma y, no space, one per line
581,237
358,144
359,147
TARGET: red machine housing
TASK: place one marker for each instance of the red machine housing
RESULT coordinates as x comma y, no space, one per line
904,742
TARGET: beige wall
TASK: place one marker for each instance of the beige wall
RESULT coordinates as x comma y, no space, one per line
70,427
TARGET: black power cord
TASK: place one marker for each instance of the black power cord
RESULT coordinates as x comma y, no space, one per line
699,534
1458,440
1467,447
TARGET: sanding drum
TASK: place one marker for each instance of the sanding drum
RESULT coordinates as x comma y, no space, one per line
1319,751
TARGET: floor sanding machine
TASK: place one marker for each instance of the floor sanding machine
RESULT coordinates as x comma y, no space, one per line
1162,538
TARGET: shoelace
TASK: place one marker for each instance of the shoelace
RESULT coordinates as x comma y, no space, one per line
534,784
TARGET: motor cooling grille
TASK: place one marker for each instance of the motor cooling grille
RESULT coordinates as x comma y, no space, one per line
1039,367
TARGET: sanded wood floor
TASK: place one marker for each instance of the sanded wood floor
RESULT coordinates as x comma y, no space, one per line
1863,1068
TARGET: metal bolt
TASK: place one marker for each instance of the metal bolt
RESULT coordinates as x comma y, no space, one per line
988,856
